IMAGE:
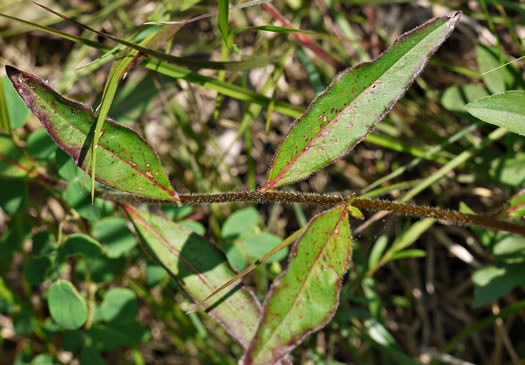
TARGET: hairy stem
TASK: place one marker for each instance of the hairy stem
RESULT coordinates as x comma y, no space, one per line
492,222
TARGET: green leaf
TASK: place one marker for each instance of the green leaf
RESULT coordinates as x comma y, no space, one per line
305,297
67,307
43,359
40,146
80,200
119,305
90,356
356,100
240,223
125,160
43,244
114,233
224,11
80,244
105,338
497,79
505,110
72,340
199,268
24,322
17,111
13,162
456,97
155,274
509,169
66,167
510,248
37,268
492,282
13,196
258,245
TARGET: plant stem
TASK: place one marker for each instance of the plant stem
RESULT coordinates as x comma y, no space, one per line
259,197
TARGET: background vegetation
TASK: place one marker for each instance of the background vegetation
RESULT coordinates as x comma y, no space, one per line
417,290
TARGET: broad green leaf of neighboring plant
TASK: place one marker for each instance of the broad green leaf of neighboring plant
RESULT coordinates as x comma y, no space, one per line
199,268
125,161
356,100
505,110
497,79
67,307
13,163
305,297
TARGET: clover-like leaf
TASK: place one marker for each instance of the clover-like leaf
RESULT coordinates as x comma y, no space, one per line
125,160
356,100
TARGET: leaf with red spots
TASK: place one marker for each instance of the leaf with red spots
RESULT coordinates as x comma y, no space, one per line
125,161
199,268
356,100
305,297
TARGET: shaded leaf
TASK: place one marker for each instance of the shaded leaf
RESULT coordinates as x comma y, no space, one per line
505,110
17,111
114,233
40,146
67,307
199,268
80,244
492,282
455,97
497,79
13,196
356,100
305,297
12,161
509,170
119,305
125,160
37,268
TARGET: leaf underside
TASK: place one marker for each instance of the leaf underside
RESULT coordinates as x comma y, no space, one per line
356,100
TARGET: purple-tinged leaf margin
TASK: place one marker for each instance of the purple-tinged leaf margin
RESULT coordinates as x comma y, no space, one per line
356,100
199,268
125,160
304,298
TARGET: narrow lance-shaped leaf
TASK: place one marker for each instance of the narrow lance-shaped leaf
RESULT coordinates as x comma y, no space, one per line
505,110
356,100
199,268
305,297
125,161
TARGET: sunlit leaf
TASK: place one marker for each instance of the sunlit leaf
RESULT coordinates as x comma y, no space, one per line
354,103
505,110
67,307
125,160
305,297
